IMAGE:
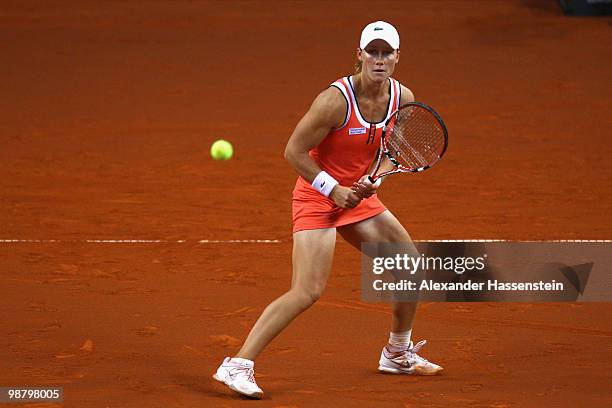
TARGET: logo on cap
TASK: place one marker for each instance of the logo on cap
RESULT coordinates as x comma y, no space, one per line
378,29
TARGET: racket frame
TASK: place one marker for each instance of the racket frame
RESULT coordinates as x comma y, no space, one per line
383,151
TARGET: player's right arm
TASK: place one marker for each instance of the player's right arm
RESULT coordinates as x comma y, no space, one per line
326,113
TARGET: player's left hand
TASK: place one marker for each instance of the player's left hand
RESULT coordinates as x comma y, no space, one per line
364,188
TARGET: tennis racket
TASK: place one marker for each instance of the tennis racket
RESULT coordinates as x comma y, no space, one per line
414,139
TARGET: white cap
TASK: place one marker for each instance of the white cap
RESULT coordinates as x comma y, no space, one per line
379,30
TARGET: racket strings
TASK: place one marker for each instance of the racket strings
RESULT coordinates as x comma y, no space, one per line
415,139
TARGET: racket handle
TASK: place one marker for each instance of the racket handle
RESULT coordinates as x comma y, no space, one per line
376,181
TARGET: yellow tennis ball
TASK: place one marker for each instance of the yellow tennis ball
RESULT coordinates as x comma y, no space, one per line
221,150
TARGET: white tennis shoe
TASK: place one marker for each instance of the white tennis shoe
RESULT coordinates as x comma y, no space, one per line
407,362
239,375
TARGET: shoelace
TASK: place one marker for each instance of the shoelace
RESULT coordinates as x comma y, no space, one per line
249,372
413,349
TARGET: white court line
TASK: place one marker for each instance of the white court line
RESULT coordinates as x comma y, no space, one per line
240,241
139,241
517,241
251,241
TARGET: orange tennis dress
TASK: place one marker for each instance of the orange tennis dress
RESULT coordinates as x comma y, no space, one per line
345,154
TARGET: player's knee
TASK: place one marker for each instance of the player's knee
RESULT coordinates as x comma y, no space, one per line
398,234
306,297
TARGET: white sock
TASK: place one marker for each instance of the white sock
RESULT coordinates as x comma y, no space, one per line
399,341
241,362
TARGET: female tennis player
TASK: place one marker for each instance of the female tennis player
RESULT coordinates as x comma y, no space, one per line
332,148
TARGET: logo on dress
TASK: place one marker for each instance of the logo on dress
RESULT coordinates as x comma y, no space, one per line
357,131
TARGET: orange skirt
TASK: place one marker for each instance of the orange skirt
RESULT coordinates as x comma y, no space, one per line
311,210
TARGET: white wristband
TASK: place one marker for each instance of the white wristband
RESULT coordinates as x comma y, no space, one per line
324,183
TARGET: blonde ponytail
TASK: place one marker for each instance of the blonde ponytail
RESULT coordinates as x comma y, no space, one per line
358,66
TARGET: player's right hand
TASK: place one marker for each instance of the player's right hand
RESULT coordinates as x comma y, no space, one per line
344,197
364,187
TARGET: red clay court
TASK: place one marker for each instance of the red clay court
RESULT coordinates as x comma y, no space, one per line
108,110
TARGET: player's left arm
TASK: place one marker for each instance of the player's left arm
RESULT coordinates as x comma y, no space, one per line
406,96
364,188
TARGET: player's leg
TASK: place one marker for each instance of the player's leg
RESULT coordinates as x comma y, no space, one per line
312,259
384,228
399,356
